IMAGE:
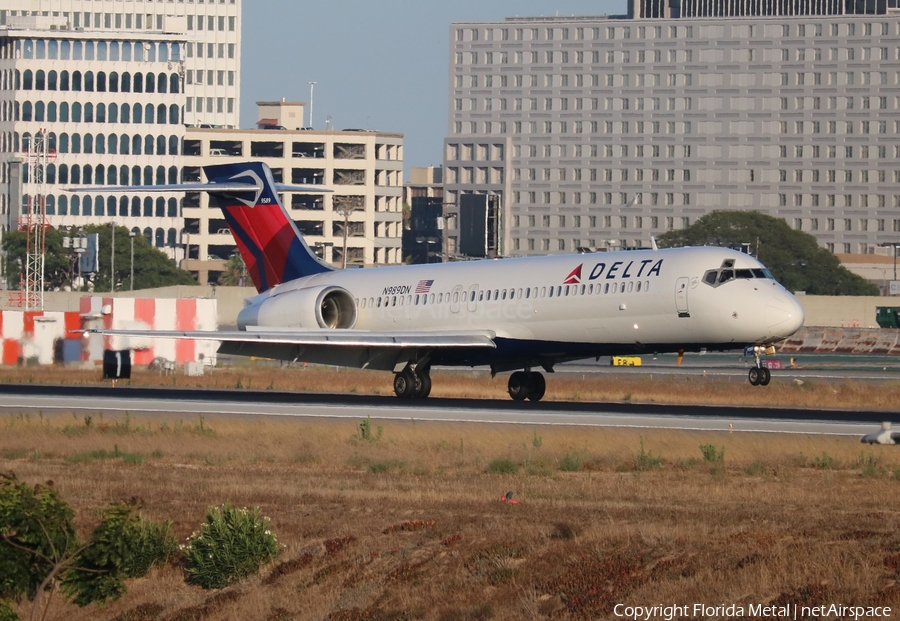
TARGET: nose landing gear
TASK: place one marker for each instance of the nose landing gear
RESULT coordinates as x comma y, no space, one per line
759,375
527,385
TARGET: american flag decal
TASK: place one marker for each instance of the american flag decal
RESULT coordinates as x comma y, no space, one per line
424,286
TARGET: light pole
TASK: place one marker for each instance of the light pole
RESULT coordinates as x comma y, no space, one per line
893,245
112,259
312,85
131,235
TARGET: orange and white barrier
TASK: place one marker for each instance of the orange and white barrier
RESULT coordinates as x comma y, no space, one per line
55,336
151,314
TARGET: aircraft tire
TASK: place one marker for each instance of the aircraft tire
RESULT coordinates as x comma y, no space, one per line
753,376
518,387
537,386
765,376
424,385
405,384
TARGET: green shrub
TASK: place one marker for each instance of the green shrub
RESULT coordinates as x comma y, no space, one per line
756,468
365,431
231,544
503,465
825,461
8,611
149,544
572,462
645,460
711,454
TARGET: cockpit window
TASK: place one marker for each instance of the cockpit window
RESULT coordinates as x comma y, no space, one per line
727,273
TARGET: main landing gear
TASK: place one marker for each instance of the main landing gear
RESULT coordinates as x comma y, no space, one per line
413,383
759,375
527,385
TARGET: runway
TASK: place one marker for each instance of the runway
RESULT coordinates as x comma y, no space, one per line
187,403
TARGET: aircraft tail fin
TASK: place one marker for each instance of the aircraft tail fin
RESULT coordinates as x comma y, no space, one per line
272,248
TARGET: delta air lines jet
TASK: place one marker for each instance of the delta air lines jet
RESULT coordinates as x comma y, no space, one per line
518,314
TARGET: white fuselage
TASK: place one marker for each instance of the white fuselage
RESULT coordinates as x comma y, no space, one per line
653,299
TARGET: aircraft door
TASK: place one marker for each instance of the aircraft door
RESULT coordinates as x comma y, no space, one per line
681,296
456,298
471,298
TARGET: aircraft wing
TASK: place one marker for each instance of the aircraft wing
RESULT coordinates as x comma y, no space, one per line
346,338
387,350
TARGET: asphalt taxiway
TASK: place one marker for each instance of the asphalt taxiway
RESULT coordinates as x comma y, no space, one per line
187,403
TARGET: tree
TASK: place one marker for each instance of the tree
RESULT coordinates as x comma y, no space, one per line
795,258
152,268
235,273
59,263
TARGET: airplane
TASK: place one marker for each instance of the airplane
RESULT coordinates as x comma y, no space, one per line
885,436
511,314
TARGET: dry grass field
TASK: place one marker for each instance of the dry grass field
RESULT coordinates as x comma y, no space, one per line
408,523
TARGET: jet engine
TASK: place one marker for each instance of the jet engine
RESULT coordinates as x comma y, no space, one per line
327,307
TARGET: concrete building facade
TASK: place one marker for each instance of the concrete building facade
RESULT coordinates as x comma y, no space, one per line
210,65
110,109
600,132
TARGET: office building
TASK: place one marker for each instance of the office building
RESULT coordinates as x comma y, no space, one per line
109,106
209,66
600,132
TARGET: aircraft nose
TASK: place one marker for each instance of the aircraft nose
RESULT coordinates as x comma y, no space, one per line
784,314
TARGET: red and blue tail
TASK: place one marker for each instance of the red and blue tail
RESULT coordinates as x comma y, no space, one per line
270,244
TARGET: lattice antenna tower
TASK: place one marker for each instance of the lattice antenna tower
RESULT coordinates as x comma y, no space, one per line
34,222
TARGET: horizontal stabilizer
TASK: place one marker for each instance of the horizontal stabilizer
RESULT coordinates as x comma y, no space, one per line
211,187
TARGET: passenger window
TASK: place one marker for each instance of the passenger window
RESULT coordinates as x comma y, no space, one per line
630,286
543,292
472,299
639,286
519,293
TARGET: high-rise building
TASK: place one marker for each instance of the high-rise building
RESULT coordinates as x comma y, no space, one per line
110,108
600,132
210,65
112,86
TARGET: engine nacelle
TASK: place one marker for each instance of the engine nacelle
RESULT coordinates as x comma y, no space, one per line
327,307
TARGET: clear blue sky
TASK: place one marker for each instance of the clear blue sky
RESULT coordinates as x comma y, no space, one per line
377,64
